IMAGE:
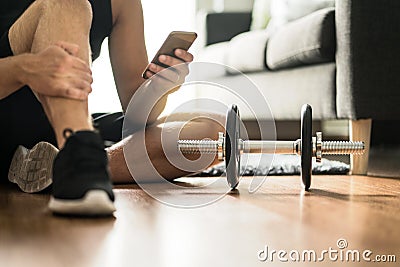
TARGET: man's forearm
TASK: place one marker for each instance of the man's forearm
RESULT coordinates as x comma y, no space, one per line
146,98
157,110
11,74
160,106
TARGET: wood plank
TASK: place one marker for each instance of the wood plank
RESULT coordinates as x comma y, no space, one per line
230,232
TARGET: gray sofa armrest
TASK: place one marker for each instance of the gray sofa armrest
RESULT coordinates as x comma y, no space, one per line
368,59
221,27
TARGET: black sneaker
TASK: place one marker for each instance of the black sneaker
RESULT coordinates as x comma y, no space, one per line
32,169
81,183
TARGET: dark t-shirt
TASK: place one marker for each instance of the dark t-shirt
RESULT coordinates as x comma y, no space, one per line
11,10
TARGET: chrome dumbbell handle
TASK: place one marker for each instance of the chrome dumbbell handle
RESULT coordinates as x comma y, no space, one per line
320,147
204,146
267,147
217,147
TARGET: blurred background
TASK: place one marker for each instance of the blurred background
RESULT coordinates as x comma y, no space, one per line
161,17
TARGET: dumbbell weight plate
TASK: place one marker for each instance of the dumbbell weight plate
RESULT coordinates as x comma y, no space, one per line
232,152
306,145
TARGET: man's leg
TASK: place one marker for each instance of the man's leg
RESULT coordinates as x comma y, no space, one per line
81,184
49,21
177,125
45,23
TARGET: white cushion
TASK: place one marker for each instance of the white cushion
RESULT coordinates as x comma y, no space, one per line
285,11
215,53
261,14
246,52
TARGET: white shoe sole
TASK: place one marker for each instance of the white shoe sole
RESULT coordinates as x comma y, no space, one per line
94,203
32,169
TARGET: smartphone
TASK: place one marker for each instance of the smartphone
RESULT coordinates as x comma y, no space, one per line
175,40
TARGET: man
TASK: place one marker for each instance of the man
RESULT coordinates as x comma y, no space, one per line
46,48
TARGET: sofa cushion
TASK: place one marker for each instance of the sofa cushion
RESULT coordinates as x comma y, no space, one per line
308,40
246,52
285,11
214,53
261,14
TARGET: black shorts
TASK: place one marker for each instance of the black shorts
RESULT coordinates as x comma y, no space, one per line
24,122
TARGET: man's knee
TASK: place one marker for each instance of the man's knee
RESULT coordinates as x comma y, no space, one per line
202,128
73,10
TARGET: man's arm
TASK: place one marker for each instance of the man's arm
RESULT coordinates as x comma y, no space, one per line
127,48
129,56
54,72
11,74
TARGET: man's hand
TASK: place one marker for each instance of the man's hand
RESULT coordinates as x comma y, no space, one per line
157,89
176,74
57,71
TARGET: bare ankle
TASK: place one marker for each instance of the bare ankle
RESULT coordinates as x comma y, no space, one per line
63,134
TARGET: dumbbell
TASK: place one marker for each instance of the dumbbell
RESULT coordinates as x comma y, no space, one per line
230,147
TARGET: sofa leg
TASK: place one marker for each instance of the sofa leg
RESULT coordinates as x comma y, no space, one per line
360,130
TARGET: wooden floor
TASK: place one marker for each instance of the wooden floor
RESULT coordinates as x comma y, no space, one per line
365,211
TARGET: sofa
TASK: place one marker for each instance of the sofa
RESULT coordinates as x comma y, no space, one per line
344,61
